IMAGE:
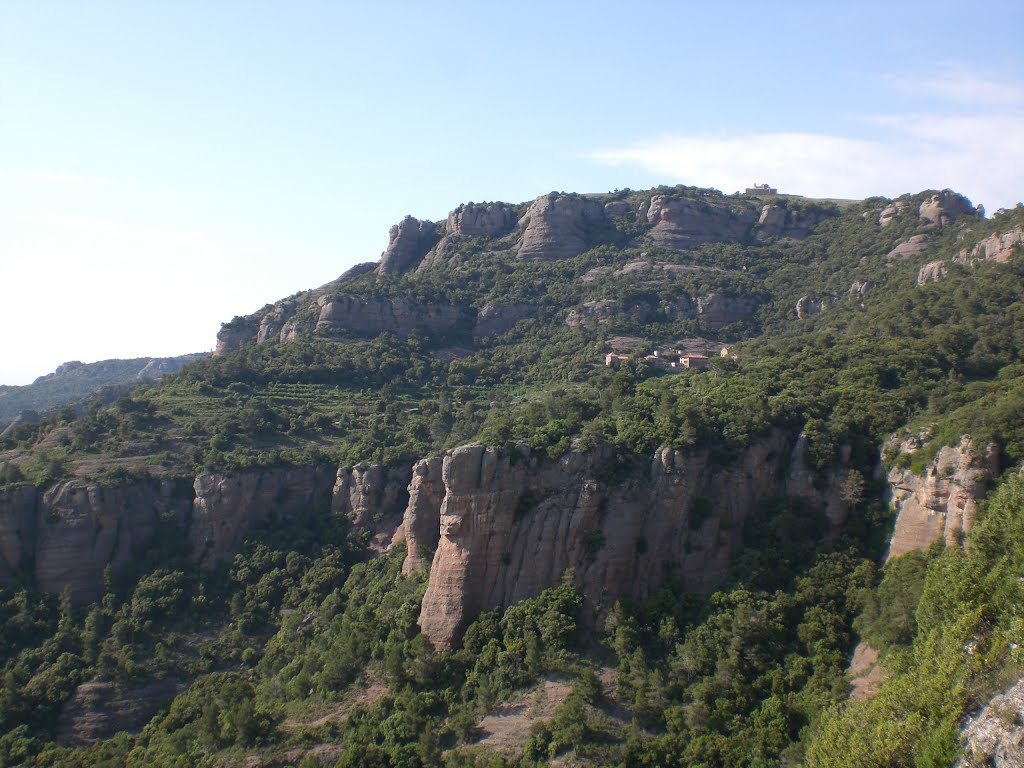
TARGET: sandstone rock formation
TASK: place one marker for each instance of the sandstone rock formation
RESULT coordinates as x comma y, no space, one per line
721,309
593,313
486,220
909,247
556,226
99,709
932,272
891,211
339,314
233,335
810,305
273,324
996,248
421,522
995,737
227,507
860,288
409,241
945,207
372,497
17,528
498,318
686,223
942,502
82,528
780,222
511,524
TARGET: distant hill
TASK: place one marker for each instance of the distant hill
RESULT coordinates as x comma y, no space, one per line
74,380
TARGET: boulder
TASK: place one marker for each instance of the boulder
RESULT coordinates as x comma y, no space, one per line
909,247
945,207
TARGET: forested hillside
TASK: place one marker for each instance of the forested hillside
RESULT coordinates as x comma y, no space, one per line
592,480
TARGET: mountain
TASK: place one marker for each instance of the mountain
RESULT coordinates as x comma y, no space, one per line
74,381
665,456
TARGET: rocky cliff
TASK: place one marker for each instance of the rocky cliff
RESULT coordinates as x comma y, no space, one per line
943,501
510,524
685,223
555,226
68,535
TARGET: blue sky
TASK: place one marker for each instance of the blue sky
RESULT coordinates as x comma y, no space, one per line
166,166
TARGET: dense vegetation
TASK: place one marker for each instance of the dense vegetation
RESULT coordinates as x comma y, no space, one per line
303,644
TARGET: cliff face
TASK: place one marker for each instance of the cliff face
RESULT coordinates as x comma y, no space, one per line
687,223
555,226
511,524
17,527
942,502
80,529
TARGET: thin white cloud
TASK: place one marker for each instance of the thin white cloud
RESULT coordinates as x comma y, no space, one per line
976,151
954,83
64,177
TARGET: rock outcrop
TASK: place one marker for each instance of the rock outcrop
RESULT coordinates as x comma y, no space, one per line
233,335
82,528
372,497
594,313
493,319
720,309
485,220
944,500
409,241
996,248
511,524
275,325
99,709
227,507
685,223
995,737
806,306
910,247
422,520
945,207
556,227
779,222
932,272
340,314
17,527
891,211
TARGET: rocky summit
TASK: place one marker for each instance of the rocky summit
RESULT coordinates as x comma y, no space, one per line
645,477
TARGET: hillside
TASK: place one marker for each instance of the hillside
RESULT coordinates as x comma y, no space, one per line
74,381
646,449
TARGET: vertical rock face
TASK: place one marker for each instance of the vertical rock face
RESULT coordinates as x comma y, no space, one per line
99,709
510,525
777,221
499,318
685,223
422,520
233,335
273,325
720,309
556,227
80,529
945,207
945,500
487,220
372,497
17,527
409,242
227,507
372,316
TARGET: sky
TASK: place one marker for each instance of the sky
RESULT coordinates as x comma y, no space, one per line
165,166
